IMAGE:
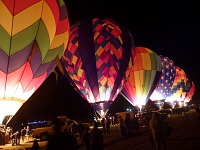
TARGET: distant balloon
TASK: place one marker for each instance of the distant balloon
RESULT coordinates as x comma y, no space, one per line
189,94
33,36
96,60
186,89
177,87
144,77
165,82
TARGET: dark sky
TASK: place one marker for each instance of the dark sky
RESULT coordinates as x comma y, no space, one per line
168,28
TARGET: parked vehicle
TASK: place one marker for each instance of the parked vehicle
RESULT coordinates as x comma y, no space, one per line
43,133
167,111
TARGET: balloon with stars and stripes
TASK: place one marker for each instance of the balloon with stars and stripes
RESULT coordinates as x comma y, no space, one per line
165,82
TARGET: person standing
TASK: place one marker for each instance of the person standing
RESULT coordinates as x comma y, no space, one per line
122,127
128,124
35,145
27,133
96,138
23,133
108,125
103,123
157,131
61,140
80,130
86,139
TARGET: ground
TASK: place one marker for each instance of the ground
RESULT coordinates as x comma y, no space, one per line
185,136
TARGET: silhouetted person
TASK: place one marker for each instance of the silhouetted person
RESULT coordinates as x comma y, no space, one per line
122,127
61,140
157,130
35,145
23,133
86,138
167,129
27,133
15,138
80,129
135,125
128,124
103,123
96,138
108,125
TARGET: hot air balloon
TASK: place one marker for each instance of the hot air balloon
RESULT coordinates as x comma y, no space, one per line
189,94
165,82
144,77
96,61
188,85
33,36
178,86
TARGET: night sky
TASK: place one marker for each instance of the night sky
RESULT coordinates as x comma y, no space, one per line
169,29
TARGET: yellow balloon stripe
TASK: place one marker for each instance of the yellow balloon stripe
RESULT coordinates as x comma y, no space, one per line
146,61
59,39
28,16
6,18
49,21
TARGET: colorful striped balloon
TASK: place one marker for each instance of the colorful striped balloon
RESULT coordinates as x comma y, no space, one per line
96,60
33,36
143,78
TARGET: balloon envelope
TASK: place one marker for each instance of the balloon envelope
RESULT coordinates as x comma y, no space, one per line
177,87
190,93
97,60
144,77
165,82
33,36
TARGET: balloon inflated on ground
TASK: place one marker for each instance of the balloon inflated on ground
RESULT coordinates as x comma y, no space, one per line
97,60
165,82
178,87
33,36
144,76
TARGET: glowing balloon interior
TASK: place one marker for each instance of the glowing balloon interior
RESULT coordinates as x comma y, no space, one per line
33,36
96,60
165,82
144,76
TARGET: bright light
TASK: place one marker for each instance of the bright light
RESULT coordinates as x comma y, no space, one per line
9,108
102,112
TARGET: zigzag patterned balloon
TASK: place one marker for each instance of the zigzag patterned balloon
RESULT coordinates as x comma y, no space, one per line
33,36
177,87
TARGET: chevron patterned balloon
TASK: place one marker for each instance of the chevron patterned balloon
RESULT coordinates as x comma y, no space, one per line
33,36
96,60
189,94
177,87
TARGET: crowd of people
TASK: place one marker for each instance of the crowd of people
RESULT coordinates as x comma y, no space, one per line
15,136
129,125
63,140
93,138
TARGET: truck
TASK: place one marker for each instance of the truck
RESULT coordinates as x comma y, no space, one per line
43,133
